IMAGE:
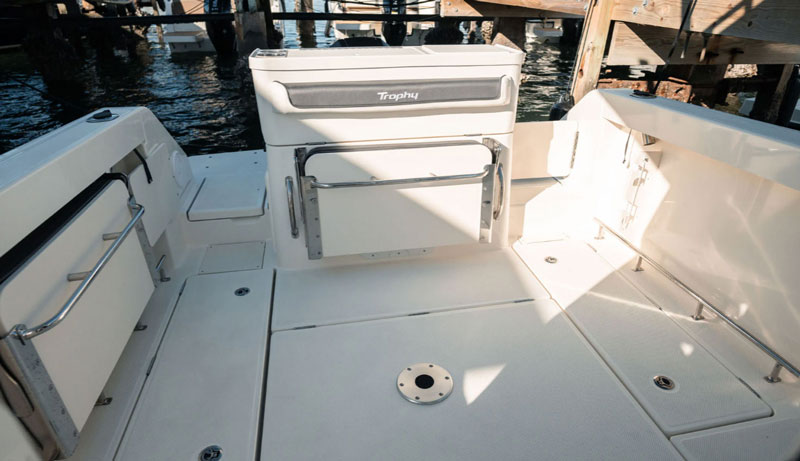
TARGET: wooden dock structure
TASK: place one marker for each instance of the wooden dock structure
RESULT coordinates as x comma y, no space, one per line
692,43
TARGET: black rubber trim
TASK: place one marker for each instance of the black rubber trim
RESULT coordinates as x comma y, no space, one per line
144,164
23,251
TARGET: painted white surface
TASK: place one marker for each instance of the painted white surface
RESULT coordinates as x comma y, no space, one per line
401,287
103,431
772,438
385,64
331,391
81,351
384,218
292,252
733,351
205,386
17,443
543,149
617,320
769,151
386,57
229,257
226,197
728,232
160,198
39,177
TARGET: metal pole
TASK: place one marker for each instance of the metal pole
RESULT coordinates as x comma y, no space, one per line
780,361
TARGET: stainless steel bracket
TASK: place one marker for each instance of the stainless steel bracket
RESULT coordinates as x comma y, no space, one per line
309,196
311,222
487,211
290,200
34,398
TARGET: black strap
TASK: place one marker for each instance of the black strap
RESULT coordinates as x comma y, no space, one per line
144,164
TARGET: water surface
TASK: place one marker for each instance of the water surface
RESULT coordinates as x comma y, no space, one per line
205,102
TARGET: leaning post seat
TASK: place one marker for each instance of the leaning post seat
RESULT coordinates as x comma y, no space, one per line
386,152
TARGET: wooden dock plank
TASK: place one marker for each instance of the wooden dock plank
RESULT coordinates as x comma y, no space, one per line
593,43
475,8
770,20
636,44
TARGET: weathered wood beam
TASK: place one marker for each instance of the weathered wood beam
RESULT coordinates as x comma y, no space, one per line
596,28
780,93
474,8
636,44
770,20
574,7
509,32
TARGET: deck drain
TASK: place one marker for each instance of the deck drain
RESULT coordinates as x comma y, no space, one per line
241,291
424,383
664,382
211,453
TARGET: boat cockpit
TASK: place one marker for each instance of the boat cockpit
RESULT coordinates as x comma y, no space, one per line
404,272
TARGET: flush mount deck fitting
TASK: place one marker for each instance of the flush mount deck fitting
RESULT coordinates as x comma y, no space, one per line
424,383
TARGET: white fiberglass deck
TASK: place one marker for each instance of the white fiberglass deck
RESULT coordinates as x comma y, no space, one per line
403,286
525,385
527,381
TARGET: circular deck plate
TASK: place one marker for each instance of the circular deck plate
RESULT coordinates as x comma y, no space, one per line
424,383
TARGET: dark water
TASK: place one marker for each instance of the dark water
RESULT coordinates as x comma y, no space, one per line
206,103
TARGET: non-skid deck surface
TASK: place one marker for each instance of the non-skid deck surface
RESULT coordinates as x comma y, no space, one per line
769,438
232,196
400,287
527,386
205,385
230,257
639,342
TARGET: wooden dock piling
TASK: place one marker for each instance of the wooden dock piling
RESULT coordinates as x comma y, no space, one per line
712,35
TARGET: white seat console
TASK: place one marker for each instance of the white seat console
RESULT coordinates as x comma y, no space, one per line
398,159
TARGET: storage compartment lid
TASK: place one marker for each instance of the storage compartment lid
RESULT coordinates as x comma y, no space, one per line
383,57
396,197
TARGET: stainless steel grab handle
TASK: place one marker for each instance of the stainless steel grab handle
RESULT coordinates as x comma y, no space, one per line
290,199
780,362
500,200
28,333
393,182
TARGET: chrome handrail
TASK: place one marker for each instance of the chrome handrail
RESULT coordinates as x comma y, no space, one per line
500,199
27,333
290,200
780,362
392,182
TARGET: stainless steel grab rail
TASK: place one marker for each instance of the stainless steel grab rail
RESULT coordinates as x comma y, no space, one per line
501,199
28,333
290,199
780,362
392,182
